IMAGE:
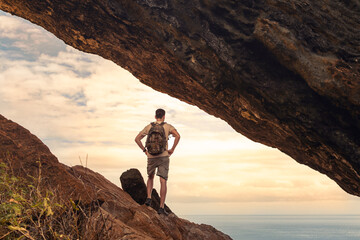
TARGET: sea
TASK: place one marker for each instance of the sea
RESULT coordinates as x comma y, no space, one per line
283,227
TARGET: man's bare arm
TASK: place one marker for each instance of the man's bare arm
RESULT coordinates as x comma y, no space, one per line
138,141
177,139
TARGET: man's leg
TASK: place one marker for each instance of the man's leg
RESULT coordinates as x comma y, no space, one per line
163,190
149,185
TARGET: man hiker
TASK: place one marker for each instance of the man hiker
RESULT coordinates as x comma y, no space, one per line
157,152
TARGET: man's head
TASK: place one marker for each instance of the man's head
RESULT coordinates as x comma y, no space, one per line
160,114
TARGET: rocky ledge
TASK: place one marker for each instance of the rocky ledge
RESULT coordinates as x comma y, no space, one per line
283,73
125,219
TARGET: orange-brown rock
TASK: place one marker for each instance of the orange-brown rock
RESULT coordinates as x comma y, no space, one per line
283,73
125,219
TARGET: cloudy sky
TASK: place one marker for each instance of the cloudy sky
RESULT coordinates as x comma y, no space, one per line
82,105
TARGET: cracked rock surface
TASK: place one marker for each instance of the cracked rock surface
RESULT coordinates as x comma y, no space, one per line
283,73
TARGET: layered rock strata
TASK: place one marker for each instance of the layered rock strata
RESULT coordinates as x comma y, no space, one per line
125,219
283,73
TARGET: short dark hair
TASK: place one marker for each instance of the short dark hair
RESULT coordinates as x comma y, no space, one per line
159,113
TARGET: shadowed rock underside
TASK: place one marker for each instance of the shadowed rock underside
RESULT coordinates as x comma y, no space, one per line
283,73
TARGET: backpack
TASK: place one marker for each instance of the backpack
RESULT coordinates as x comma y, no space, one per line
156,139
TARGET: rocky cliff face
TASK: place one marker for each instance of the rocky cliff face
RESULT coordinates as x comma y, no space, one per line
125,219
283,73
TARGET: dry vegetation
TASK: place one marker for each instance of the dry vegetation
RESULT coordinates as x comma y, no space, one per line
29,212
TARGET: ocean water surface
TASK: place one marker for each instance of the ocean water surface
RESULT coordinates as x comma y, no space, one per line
284,227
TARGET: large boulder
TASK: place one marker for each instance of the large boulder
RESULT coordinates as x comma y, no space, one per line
125,219
133,183
283,73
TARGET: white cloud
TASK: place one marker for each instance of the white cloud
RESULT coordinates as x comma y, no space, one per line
17,34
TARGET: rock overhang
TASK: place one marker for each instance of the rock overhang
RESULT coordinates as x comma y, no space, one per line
282,73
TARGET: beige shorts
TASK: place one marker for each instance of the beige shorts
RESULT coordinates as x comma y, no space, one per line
162,165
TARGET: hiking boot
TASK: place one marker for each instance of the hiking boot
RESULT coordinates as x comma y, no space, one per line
148,202
163,211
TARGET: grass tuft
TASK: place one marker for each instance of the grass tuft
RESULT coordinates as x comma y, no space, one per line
29,212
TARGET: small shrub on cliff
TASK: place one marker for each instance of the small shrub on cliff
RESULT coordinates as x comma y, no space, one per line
27,212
